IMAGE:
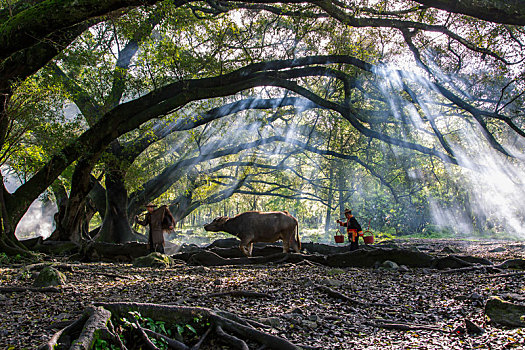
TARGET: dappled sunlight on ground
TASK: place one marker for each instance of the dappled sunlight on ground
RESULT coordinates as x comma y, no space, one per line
302,314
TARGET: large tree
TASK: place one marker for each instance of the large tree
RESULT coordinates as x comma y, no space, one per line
258,66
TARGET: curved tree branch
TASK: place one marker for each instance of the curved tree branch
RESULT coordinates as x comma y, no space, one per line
159,184
497,11
133,149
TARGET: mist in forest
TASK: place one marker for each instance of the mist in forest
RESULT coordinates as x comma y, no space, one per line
38,220
493,182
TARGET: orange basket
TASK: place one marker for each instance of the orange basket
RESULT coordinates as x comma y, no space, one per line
369,238
339,238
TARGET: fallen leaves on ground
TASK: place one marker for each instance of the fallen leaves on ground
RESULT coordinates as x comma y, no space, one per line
298,311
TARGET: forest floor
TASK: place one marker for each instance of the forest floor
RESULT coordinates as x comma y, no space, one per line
297,310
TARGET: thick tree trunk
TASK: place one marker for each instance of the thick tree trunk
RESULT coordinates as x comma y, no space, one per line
98,197
116,225
9,244
72,219
61,198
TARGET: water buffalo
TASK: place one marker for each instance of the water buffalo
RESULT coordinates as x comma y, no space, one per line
256,226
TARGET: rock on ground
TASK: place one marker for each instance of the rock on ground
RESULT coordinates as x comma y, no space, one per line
154,259
505,313
49,277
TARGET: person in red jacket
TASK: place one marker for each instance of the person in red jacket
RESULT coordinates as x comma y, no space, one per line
352,228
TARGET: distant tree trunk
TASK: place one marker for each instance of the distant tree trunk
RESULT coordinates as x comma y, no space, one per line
98,196
61,197
116,226
181,207
328,217
340,188
477,217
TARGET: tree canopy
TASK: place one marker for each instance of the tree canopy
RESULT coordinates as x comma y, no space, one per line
409,112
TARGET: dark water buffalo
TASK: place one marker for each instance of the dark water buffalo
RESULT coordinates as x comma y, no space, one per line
257,226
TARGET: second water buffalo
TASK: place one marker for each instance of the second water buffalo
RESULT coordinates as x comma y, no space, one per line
256,226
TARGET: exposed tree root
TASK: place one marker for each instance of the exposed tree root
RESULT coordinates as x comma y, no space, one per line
201,340
504,275
70,268
172,343
170,313
231,339
450,262
96,323
145,337
325,255
244,321
366,257
125,252
12,247
512,264
71,329
486,268
308,263
227,253
335,294
229,248
58,325
110,275
208,258
478,268
57,247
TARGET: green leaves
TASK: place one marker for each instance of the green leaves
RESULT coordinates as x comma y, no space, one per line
101,344
182,330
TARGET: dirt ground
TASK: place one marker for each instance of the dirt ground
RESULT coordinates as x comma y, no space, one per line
297,310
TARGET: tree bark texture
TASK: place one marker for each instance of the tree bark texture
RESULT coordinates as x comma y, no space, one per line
116,225
72,219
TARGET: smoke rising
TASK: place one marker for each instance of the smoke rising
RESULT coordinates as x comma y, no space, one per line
38,220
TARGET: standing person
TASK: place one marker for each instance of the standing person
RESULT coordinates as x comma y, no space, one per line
158,220
352,228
